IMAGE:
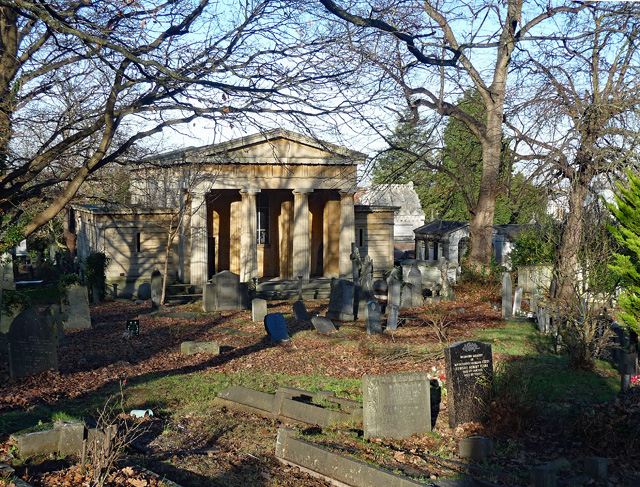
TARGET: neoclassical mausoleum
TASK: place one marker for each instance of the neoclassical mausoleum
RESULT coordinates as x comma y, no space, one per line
275,205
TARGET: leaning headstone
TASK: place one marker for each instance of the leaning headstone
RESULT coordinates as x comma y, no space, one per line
32,345
396,405
395,289
507,293
156,288
258,309
392,320
469,369
300,311
78,316
323,324
517,301
341,300
374,325
276,327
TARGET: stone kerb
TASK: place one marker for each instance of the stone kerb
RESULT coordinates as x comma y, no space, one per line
469,369
396,405
338,469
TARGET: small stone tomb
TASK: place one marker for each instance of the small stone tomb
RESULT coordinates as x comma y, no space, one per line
156,288
133,328
392,320
276,327
323,324
517,301
258,309
33,345
341,300
300,311
396,405
374,325
469,368
225,292
507,295
78,316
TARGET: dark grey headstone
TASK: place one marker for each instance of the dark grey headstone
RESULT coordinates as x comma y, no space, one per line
225,292
341,300
374,325
507,293
396,405
517,301
469,369
32,345
323,324
276,327
78,316
156,288
144,291
392,320
300,311
4,348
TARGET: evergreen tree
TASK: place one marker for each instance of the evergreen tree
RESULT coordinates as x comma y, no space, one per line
627,213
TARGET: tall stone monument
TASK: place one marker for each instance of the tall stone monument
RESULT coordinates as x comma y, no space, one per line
507,295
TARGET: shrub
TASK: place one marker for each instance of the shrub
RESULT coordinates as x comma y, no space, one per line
96,267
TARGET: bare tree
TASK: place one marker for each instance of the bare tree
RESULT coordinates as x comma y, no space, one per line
432,52
81,83
581,119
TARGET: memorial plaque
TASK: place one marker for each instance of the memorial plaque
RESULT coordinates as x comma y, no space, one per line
133,327
469,368
32,345
276,327
396,405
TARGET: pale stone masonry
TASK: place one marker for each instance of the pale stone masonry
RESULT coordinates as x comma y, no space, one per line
275,205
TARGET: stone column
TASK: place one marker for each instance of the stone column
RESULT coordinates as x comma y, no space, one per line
347,233
301,236
199,243
249,236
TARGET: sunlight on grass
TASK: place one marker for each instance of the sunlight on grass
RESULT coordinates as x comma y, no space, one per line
516,338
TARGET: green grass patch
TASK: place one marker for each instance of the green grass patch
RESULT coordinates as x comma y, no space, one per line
515,338
194,393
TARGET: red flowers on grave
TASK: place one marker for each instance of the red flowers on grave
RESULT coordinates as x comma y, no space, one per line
635,380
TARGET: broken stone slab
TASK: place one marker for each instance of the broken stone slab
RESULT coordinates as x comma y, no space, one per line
289,404
65,438
191,348
331,466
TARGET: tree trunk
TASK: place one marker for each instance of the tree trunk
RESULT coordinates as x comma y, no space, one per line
8,67
567,264
481,224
